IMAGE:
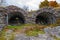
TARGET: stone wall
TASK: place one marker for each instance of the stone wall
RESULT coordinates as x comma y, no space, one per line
3,16
47,11
30,17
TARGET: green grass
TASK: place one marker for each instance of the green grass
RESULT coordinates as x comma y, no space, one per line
31,33
19,26
34,33
10,26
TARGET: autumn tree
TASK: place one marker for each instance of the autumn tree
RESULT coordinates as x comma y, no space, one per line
48,4
53,4
44,4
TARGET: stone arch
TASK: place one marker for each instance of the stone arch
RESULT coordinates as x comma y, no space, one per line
44,16
16,18
16,12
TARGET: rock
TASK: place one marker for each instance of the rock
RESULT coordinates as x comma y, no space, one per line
1,29
21,37
53,31
47,30
45,37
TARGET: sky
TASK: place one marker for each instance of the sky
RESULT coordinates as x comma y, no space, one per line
31,4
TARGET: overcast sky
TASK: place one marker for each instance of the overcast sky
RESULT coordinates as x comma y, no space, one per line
32,4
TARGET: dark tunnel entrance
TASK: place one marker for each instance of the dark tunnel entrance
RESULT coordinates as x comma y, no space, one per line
16,18
45,18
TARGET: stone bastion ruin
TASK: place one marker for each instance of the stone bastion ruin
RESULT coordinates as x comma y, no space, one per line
13,15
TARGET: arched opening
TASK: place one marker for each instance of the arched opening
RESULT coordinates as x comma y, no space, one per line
16,18
45,18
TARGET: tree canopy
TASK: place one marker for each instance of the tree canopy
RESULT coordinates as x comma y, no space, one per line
53,4
46,3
